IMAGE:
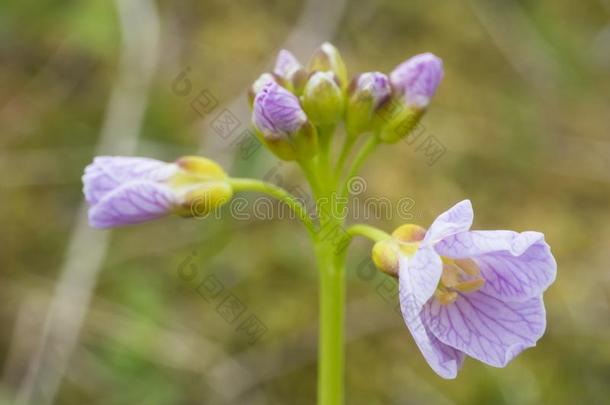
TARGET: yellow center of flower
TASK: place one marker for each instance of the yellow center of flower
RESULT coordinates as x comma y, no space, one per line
459,275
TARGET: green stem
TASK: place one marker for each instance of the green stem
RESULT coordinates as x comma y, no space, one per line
240,184
347,147
359,160
367,231
331,352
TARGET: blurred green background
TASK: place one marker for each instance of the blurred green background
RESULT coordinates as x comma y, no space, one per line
523,113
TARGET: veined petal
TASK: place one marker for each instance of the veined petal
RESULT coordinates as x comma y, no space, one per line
418,277
515,266
486,328
132,202
443,359
418,78
277,111
108,172
455,220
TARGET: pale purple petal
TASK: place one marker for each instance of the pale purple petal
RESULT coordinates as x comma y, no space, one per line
515,266
132,202
375,83
443,359
108,172
277,111
286,64
455,220
418,276
417,280
417,78
486,328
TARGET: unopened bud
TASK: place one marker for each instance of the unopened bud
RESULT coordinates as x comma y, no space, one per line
323,99
328,59
288,68
365,94
417,79
261,82
282,124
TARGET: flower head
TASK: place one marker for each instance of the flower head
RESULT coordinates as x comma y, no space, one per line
475,293
417,78
128,190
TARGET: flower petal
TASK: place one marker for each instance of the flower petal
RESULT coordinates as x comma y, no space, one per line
515,266
131,203
418,276
286,64
486,328
418,78
108,172
444,360
277,111
455,220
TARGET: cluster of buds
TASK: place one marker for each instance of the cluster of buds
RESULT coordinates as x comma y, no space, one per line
293,103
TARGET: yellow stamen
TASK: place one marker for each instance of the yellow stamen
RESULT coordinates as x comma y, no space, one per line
451,275
446,297
459,275
468,266
470,285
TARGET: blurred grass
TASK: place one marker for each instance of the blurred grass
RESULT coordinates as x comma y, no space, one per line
522,112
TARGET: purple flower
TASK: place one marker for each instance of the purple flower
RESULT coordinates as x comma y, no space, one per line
277,111
417,79
475,293
128,190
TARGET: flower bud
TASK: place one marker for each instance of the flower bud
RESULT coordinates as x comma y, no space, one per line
288,68
261,82
323,99
282,124
414,82
417,78
365,94
386,254
327,58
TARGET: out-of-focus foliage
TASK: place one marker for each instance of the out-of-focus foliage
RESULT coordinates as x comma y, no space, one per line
522,113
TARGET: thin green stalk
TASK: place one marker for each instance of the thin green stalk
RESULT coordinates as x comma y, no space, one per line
331,352
367,231
347,147
359,160
240,184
